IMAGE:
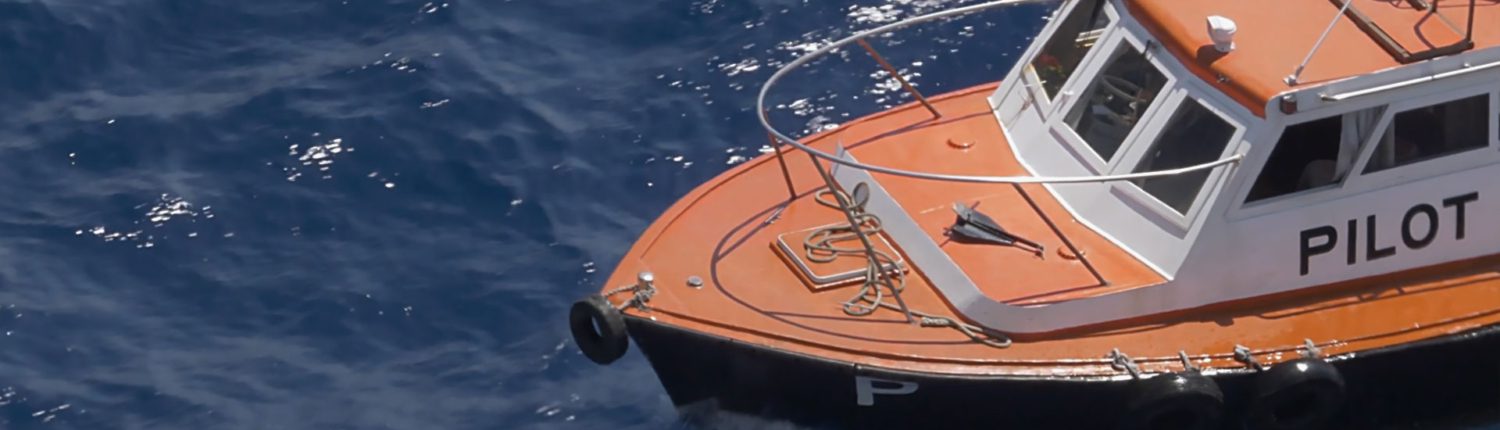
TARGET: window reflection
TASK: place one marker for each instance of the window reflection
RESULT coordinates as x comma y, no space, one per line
1073,39
1194,135
1116,100
1315,154
1433,131
1303,159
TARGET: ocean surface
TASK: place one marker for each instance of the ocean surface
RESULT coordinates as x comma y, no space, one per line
374,214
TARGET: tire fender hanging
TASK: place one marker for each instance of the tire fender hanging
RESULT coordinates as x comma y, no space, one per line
598,329
1301,394
1178,401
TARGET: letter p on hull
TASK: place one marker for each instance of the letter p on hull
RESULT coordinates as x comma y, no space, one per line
865,389
1330,240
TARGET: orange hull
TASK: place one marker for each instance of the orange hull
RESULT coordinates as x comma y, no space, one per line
750,294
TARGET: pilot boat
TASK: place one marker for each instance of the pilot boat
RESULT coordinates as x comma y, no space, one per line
1169,214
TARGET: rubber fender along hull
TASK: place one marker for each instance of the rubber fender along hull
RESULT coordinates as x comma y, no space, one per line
703,374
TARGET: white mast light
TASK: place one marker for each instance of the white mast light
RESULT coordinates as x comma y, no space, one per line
1221,31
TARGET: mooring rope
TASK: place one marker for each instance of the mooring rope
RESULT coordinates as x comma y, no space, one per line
882,273
637,300
820,244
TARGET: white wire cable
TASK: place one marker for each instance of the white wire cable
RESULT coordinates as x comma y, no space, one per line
765,121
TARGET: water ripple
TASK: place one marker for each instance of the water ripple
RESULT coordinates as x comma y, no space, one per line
373,214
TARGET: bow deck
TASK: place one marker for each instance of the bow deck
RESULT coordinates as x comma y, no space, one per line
720,232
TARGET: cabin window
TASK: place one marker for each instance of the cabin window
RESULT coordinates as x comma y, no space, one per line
1116,100
1314,154
1194,135
1072,40
1433,131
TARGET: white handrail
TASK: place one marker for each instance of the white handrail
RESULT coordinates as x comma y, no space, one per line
1112,178
765,121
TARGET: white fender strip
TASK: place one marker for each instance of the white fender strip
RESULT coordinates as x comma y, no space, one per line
972,304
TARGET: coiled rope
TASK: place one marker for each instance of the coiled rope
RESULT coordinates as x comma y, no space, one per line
882,273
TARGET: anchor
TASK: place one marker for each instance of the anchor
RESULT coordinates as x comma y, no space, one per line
975,226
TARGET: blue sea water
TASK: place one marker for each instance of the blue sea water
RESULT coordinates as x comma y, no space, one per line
373,214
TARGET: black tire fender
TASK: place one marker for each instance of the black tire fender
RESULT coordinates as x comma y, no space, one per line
1302,394
1174,401
598,329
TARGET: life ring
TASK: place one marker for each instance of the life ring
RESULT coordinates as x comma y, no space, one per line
1305,393
598,329
1175,401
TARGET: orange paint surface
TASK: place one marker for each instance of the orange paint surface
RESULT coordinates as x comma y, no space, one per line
723,233
1275,35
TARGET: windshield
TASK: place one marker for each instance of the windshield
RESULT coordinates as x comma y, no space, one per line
1193,136
1073,39
1116,100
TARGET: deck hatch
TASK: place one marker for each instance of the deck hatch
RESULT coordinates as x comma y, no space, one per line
842,270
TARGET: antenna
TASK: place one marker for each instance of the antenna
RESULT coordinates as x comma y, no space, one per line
1291,79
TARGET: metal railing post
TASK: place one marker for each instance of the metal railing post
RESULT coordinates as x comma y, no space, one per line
786,174
892,70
